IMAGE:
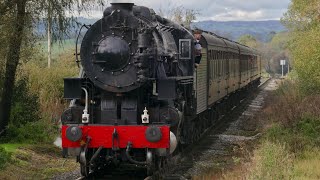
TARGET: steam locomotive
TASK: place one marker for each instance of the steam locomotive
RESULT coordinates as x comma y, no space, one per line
139,96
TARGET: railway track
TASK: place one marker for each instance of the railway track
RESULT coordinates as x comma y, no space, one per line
214,145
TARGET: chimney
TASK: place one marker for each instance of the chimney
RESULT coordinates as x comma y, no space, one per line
126,6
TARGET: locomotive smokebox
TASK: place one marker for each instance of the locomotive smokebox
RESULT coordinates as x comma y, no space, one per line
113,52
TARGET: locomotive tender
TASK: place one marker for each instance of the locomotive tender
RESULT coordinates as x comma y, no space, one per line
139,96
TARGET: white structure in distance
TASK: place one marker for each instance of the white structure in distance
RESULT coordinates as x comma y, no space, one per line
282,63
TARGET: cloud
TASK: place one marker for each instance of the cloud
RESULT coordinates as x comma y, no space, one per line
238,15
223,10
241,15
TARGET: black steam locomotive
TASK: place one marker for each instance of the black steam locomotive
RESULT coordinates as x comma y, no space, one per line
139,95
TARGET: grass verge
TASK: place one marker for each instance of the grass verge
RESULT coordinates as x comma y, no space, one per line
33,162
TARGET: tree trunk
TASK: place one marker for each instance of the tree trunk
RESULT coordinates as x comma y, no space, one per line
49,34
12,63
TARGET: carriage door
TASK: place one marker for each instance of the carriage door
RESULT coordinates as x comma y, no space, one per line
202,83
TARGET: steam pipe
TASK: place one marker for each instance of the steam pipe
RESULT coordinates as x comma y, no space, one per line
130,158
86,107
85,115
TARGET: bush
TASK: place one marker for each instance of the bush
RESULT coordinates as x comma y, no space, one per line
304,135
305,48
296,118
296,139
290,105
4,157
25,105
308,128
26,125
48,84
24,110
32,133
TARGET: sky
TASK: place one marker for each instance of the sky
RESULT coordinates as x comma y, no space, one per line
219,10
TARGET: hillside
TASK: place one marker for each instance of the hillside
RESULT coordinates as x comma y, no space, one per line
234,29
229,29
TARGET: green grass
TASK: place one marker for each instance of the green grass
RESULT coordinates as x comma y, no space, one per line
299,137
271,161
307,165
275,161
6,152
5,157
11,148
42,161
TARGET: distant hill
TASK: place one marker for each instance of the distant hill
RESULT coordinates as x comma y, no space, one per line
234,29
230,29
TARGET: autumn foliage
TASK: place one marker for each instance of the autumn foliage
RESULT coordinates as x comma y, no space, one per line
302,19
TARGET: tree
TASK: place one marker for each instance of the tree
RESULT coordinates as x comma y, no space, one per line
49,29
179,14
302,15
4,29
248,40
190,15
20,11
12,61
303,21
271,35
272,52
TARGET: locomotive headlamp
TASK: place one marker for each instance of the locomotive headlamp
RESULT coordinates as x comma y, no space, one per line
153,134
74,133
145,116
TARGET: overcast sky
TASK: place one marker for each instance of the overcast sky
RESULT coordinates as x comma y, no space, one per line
222,10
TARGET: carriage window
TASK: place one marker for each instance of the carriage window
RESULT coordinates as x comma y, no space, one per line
212,54
185,48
